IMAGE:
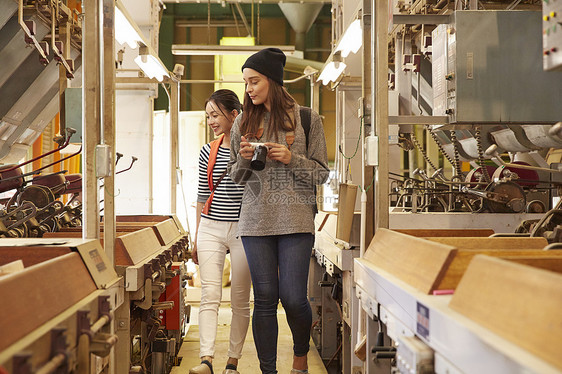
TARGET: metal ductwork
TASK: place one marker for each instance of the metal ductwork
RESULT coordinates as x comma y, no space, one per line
301,16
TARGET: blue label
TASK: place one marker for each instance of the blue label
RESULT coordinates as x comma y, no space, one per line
422,321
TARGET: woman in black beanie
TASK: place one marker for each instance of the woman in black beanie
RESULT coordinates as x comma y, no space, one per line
277,213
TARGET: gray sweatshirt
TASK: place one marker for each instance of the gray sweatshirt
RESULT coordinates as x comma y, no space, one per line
279,199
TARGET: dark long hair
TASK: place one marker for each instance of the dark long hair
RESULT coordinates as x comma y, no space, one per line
281,104
226,100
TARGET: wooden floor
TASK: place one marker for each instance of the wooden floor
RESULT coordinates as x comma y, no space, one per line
249,363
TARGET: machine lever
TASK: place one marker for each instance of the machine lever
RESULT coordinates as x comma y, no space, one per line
389,355
383,349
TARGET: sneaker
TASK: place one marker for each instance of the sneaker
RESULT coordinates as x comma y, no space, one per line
205,367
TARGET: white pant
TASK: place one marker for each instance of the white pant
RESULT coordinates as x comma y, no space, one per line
213,240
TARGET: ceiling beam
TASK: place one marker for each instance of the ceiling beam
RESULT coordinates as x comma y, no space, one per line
245,1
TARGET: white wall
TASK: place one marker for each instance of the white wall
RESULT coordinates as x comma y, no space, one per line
191,139
133,122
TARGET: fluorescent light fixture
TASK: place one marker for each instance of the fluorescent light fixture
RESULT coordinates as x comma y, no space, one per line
213,50
352,39
127,31
124,30
331,72
152,67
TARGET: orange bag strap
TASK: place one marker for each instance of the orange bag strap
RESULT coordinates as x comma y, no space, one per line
215,144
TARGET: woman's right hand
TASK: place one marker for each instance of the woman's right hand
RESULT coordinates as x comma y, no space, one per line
246,149
194,254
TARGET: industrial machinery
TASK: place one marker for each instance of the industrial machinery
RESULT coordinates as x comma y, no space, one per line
332,295
445,303
499,115
141,305
59,301
149,254
36,38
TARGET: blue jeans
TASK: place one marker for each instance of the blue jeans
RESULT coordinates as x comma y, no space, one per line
279,269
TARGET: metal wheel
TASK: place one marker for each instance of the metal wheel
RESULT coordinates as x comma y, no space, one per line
513,198
40,196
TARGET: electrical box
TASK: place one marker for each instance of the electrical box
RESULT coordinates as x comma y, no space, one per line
413,356
552,34
73,112
372,150
103,161
487,68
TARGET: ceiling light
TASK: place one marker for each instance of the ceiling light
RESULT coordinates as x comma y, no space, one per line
124,30
331,72
151,66
213,50
352,39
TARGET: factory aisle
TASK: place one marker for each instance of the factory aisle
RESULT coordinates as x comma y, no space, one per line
249,363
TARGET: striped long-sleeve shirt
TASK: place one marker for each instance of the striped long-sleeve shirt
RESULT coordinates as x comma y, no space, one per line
228,195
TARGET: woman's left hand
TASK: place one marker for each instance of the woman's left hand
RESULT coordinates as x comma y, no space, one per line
278,152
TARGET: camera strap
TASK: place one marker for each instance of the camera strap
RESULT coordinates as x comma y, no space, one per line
305,122
305,114
215,144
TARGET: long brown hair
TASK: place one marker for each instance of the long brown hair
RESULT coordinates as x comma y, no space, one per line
281,104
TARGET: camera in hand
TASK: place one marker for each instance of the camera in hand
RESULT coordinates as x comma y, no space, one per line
258,159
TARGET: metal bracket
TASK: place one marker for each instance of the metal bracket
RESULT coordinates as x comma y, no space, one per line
21,363
146,303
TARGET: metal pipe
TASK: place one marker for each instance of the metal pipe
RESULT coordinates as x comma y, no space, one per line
174,145
52,365
243,17
25,29
133,160
492,151
108,121
41,156
112,340
300,78
439,4
164,305
102,321
56,52
83,355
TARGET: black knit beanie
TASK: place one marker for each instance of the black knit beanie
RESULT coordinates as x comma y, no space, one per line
269,62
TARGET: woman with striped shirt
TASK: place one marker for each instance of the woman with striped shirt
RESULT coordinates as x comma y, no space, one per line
218,210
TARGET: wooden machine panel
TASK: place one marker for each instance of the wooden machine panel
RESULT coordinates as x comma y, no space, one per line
463,257
518,302
132,248
420,233
31,255
466,242
37,294
166,231
418,262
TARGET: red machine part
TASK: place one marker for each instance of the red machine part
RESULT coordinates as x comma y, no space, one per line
74,183
174,319
10,178
526,178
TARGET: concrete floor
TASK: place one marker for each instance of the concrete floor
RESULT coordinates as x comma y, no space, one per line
249,363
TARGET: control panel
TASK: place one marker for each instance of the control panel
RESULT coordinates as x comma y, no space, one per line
413,356
552,34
